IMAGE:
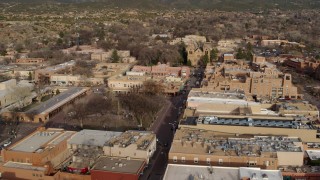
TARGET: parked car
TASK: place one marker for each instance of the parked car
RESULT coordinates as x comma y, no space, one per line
6,143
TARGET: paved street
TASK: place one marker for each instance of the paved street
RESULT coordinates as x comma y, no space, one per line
165,131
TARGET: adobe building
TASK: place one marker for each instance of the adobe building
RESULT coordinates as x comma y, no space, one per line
124,84
30,61
163,70
117,168
43,75
274,42
172,79
195,52
203,147
189,39
269,82
124,56
228,45
228,57
17,171
49,108
182,172
87,138
298,109
134,144
255,125
202,102
228,103
40,147
301,65
107,70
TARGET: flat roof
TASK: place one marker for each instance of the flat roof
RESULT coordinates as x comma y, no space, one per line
57,101
313,154
142,139
258,173
59,66
298,106
119,165
193,141
39,140
217,95
26,166
257,122
183,172
92,137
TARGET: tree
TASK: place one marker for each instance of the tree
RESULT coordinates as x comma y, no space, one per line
213,54
205,59
3,50
20,93
183,53
93,105
189,63
240,54
142,107
115,57
18,47
152,88
57,91
106,45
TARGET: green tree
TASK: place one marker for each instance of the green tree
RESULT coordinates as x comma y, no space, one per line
205,59
249,46
213,54
183,53
115,57
240,54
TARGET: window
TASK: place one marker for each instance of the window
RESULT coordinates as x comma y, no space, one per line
251,163
175,159
208,160
220,161
183,159
195,160
287,77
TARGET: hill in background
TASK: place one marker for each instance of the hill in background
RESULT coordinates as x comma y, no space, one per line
228,5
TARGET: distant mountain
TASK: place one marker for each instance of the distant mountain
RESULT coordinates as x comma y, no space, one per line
194,4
